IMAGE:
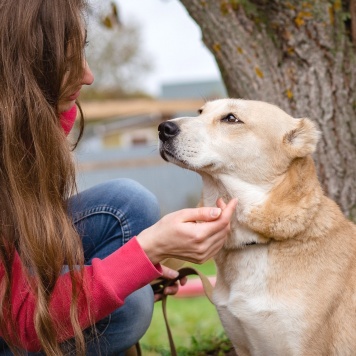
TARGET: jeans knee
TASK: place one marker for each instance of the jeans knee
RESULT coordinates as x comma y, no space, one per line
124,206
141,204
141,305
128,323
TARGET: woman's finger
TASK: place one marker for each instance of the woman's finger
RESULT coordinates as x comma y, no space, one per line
183,281
200,214
221,204
169,272
171,290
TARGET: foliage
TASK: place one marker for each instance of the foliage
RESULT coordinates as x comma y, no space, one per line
115,54
200,346
194,323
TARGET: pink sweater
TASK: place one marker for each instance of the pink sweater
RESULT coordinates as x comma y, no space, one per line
68,118
109,281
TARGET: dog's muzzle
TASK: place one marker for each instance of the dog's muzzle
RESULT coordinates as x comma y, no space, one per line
167,130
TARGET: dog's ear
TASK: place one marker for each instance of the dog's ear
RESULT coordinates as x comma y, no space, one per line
302,140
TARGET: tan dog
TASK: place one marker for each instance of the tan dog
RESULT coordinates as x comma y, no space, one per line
286,281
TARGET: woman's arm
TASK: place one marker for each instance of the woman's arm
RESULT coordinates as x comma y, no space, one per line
108,282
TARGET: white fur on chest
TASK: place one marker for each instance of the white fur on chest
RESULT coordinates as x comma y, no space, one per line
254,318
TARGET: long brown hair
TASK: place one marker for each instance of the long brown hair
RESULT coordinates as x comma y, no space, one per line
41,43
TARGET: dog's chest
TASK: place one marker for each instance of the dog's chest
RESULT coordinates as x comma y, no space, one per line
253,316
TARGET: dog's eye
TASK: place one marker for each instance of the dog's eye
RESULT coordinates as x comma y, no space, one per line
200,111
230,118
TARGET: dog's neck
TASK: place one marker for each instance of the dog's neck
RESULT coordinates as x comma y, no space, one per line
248,195
228,187
278,211
291,205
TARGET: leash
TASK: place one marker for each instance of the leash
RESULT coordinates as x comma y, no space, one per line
159,286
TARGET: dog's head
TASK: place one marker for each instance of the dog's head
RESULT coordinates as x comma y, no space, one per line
252,140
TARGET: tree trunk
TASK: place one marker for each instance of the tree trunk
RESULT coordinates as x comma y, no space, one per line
298,55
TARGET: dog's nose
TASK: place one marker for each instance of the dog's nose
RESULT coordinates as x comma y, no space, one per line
167,130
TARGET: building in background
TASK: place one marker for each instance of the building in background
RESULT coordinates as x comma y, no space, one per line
121,141
125,123
203,90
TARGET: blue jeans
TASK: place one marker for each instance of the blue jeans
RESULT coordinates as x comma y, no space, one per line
106,216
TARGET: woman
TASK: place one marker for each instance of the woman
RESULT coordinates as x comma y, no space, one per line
69,262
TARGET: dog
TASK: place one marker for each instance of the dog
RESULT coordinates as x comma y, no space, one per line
286,275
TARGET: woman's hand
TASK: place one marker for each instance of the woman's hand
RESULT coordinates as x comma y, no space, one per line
169,273
193,235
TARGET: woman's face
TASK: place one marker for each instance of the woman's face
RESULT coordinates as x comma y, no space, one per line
67,103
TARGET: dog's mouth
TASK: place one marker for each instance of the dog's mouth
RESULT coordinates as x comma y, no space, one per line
166,155
169,156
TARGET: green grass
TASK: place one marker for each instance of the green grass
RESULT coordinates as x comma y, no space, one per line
194,322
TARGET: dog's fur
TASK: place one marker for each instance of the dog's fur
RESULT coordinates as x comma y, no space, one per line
286,276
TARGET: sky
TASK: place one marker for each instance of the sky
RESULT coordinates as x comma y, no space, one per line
172,40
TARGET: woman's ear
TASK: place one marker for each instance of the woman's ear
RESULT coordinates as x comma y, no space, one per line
302,140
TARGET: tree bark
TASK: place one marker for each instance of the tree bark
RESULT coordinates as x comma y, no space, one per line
353,20
300,56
